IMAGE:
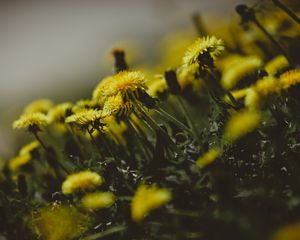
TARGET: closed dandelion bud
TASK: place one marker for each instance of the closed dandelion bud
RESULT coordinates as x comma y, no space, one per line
240,124
120,62
146,199
172,82
98,200
247,14
208,158
81,181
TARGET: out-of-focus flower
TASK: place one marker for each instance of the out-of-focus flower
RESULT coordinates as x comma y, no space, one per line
59,112
98,200
276,64
59,222
290,78
289,232
240,124
31,121
80,181
209,157
146,199
40,105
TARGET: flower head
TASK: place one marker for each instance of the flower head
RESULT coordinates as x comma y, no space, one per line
234,72
290,78
59,222
208,157
80,181
85,117
146,199
16,163
59,112
203,49
115,106
276,64
240,124
98,200
267,85
31,121
40,105
30,147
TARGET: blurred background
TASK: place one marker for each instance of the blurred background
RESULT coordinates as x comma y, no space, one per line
60,49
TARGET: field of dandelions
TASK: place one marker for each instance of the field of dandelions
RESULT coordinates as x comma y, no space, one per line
204,144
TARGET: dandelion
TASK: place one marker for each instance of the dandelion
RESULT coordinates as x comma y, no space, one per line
81,181
59,222
252,99
59,112
276,64
115,106
126,83
240,124
238,70
98,200
146,199
290,78
208,157
33,122
16,163
85,117
40,105
267,85
30,147
203,51
237,94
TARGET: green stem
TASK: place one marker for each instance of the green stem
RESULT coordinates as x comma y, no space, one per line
105,233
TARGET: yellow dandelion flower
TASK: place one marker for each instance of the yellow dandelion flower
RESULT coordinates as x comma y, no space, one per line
101,88
16,163
240,69
98,200
276,64
58,112
289,232
126,83
31,121
28,148
84,117
267,85
40,105
208,157
80,181
240,124
59,222
206,45
252,99
290,78
146,199
115,106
